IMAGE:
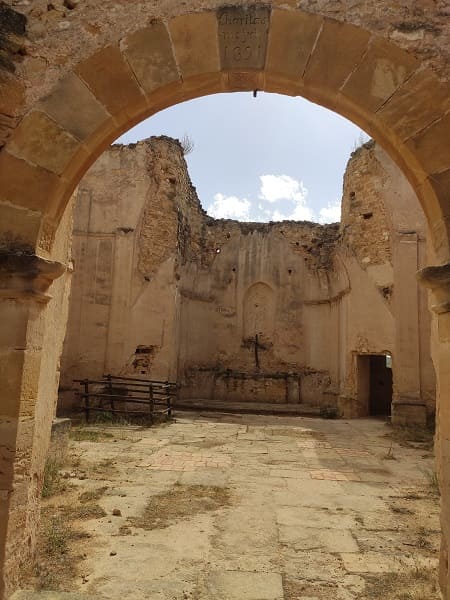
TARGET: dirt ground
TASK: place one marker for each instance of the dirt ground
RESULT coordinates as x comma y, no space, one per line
220,507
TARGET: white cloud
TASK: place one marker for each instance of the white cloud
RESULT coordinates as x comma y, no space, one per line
281,198
300,213
282,187
330,213
276,188
229,207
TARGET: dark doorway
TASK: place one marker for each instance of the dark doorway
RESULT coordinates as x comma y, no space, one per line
375,383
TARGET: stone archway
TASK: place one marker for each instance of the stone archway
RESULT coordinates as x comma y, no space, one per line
131,72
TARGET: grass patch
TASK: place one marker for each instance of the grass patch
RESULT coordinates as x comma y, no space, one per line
92,495
105,467
401,510
83,434
433,483
83,511
180,502
53,481
413,437
57,565
417,584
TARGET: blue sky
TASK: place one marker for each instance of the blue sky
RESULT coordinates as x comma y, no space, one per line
260,159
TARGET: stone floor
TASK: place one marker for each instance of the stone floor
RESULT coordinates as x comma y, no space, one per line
316,508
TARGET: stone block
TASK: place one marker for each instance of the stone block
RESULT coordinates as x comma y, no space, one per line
41,141
431,146
12,96
24,223
195,43
111,80
383,70
314,538
291,40
11,366
239,585
421,100
337,52
13,332
149,52
73,106
25,184
438,184
409,414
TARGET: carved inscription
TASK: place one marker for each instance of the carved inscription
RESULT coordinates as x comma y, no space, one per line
243,36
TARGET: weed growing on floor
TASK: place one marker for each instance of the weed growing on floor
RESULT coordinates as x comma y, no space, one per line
417,584
329,412
433,483
105,468
401,510
53,481
390,454
180,502
57,563
92,495
413,437
59,550
83,434
83,511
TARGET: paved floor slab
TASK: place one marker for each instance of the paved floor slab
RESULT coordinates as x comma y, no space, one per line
308,509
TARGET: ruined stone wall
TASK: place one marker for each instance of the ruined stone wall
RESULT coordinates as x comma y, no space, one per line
253,279
123,315
383,245
162,290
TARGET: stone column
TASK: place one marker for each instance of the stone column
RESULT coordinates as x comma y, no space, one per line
24,282
438,280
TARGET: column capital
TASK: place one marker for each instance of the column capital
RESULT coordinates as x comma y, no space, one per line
25,275
438,280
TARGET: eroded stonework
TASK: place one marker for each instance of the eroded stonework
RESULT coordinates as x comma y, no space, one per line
248,312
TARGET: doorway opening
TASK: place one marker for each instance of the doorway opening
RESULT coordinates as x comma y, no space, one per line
375,383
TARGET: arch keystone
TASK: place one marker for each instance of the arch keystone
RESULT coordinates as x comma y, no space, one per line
150,54
195,43
36,139
291,40
243,34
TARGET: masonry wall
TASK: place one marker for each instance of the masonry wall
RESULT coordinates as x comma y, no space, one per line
123,313
247,312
